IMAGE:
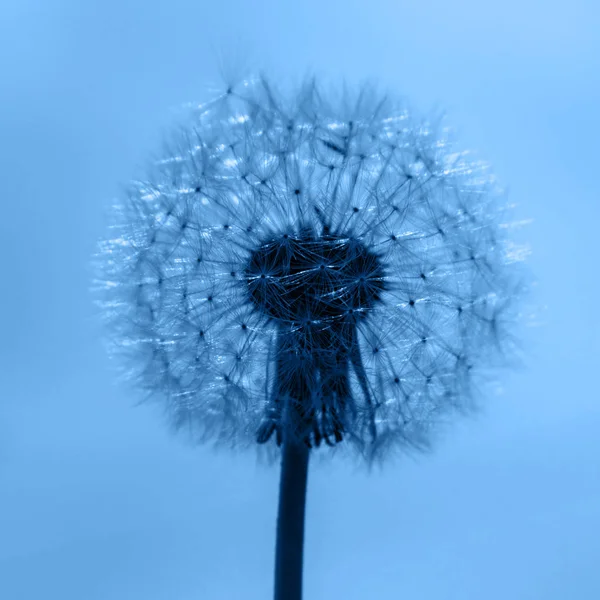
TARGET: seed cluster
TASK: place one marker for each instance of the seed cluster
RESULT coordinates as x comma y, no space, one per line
316,287
306,277
310,267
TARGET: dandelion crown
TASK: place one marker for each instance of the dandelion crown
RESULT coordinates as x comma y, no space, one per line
313,269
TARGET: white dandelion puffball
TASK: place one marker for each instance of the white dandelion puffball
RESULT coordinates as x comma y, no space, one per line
300,266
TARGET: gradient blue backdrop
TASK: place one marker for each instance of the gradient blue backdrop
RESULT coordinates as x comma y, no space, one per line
98,502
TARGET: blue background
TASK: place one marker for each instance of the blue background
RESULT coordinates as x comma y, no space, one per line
99,502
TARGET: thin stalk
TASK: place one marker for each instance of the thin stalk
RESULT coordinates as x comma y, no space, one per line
290,521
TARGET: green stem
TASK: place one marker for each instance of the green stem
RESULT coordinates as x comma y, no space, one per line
290,521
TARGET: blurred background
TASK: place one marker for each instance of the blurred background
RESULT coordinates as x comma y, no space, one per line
99,502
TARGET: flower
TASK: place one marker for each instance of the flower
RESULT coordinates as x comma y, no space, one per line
299,266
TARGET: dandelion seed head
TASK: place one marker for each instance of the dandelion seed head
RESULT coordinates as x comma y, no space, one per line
333,270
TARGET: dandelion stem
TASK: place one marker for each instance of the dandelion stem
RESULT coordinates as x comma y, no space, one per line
290,521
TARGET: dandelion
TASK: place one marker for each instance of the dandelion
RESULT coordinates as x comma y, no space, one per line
302,272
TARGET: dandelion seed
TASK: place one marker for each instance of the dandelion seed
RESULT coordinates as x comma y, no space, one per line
309,273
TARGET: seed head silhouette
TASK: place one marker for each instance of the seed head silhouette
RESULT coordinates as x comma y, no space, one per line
303,271
306,268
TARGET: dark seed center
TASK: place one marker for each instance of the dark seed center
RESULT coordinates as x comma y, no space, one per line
306,278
